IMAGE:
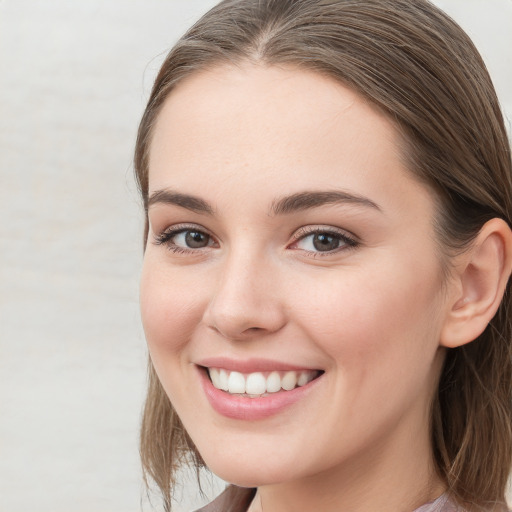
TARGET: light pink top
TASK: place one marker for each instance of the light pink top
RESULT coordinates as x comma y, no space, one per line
237,499
442,504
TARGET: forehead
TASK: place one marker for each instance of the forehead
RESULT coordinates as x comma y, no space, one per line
253,127
282,104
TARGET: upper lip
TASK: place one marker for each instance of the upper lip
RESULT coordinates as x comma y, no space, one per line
250,365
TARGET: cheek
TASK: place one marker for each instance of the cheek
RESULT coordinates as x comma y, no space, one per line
170,309
380,337
374,321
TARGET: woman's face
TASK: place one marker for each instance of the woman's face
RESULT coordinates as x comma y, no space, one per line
289,248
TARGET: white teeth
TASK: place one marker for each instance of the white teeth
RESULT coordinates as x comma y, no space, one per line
289,381
236,383
256,384
273,382
223,380
214,375
303,379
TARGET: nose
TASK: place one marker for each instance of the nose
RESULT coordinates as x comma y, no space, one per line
246,301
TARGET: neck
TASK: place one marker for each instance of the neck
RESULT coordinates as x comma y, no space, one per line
394,475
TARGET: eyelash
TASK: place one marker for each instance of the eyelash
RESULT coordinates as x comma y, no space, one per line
349,241
165,238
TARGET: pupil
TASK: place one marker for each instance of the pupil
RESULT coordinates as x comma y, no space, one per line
324,242
195,240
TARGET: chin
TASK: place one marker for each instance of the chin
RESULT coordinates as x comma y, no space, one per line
245,473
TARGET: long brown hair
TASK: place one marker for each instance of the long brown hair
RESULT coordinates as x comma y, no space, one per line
416,64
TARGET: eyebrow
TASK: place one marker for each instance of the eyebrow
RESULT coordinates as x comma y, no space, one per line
296,202
307,200
187,201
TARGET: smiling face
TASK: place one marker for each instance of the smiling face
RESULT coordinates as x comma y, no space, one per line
289,247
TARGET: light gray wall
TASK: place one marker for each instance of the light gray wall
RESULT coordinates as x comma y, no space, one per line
74,77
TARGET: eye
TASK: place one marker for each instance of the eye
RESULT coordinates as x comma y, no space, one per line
184,239
317,240
191,239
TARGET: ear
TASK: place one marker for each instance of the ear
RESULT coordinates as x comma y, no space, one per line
481,276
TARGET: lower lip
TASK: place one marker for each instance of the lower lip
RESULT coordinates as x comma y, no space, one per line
244,408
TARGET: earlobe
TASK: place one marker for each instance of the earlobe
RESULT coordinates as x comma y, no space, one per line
481,279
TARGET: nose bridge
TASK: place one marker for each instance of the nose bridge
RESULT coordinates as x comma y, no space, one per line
245,301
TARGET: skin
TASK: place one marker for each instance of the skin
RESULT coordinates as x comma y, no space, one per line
369,316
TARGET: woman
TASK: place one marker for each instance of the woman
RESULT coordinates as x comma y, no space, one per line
325,289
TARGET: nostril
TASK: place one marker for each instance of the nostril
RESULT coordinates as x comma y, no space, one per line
242,319
244,334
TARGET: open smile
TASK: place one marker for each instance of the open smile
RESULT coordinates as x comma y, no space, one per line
242,394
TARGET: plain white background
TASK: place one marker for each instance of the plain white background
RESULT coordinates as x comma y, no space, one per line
74,78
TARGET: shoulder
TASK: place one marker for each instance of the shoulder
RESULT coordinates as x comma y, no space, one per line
233,499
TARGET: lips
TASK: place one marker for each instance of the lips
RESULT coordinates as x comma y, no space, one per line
255,390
